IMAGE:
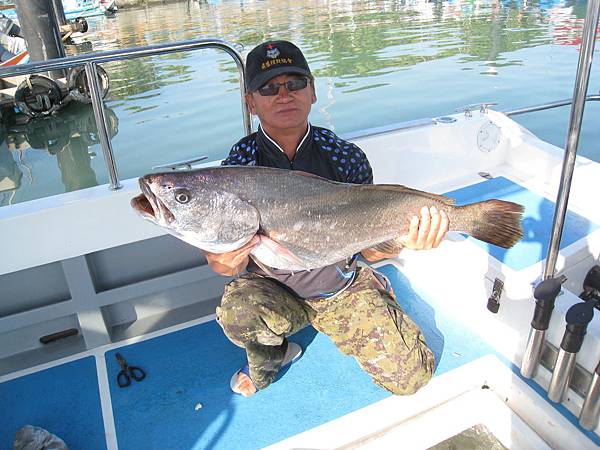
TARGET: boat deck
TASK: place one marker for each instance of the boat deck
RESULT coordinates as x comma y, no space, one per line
537,221
185,401
69,387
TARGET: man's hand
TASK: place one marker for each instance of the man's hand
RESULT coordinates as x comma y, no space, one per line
424,232
232,263
428,231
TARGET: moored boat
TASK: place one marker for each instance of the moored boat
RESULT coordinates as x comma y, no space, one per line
72,8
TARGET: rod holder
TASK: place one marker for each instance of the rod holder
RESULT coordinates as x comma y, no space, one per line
592,279
578,318
545,294
561,375
590,411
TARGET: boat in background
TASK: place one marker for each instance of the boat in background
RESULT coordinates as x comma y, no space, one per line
19,58
88,8
12,45
72,8
109,6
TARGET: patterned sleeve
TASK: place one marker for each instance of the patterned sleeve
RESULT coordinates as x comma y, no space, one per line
360,171
241,154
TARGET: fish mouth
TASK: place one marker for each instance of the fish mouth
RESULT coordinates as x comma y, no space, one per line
141,204
149,206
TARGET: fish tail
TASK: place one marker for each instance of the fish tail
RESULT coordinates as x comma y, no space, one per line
496,222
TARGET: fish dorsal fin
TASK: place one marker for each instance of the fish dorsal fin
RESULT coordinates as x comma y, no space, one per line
392,187
400,188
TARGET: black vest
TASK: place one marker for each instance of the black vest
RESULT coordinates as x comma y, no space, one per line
321,153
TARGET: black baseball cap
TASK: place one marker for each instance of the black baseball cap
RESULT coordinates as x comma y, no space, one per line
271,59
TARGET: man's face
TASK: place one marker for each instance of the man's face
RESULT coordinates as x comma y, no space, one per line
285,110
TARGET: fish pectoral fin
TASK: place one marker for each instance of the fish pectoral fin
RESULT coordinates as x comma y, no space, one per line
391,247
282,252
266,269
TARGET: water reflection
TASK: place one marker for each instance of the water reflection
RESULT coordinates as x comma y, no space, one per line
344,39
10,174
348,40
67,137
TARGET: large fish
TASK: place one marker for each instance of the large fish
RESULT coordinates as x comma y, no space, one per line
304,221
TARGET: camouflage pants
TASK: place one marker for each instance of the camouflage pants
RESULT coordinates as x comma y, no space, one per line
364,321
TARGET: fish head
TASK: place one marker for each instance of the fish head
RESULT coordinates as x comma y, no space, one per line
197,208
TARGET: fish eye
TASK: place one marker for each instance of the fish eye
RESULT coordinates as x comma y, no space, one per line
182,195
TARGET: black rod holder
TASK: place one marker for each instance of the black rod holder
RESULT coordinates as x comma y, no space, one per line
590,411
578,317
545,294
592,279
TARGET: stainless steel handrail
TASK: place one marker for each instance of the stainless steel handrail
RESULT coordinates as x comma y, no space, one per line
545,106
579,93
544,306
90,61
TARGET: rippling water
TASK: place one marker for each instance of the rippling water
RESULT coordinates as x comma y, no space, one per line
375,62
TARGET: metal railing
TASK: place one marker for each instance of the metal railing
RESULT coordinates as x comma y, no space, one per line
544,106
545,303
579,96
92,59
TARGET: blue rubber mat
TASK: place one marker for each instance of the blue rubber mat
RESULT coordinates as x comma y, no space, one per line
63,400
193,366
537,221
453,344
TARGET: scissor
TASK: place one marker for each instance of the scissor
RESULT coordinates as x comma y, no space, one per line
128,372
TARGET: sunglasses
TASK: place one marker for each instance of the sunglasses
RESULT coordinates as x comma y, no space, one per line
296,84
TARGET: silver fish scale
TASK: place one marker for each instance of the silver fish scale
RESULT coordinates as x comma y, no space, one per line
318,220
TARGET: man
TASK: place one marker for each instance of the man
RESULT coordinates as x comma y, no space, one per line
353,305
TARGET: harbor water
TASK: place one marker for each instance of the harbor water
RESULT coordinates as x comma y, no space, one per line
375,62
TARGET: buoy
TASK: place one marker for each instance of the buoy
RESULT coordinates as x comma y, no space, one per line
38,96
78,84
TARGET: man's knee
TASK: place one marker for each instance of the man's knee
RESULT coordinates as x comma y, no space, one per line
236,315
410,384
412,377
241,299
248,314
405,376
